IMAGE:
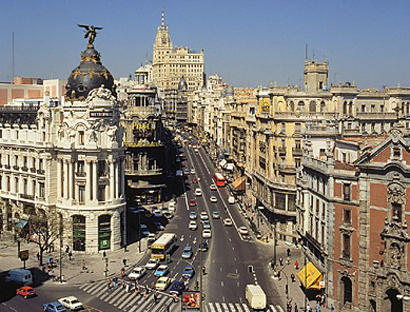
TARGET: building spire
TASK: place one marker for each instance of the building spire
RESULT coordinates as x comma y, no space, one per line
163,18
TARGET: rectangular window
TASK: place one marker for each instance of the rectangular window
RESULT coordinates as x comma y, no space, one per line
346,191
80,166
347,216
101,193
41,189
396,152
81,194
297,162
101,168
25,186
81,137
323,235
34,187
363,108
346,246
381,108
16,160
298,144
317,207
297,127
25,161
8,184
40,164
16,185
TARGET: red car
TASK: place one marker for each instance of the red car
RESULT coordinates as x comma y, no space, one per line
192,203
26,291
194,180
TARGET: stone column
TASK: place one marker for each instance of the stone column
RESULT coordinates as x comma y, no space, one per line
95,182
112,181
65,177
59,176
71,180
116,179
87,181
122,177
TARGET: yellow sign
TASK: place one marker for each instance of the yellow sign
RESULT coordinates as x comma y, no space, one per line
264,105
310,277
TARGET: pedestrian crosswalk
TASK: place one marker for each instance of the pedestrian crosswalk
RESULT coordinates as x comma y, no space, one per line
236,307
130,301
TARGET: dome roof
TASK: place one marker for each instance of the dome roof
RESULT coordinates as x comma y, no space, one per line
182,85
90,74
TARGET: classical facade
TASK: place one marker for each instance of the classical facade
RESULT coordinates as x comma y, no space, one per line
170,64
149,155
65,159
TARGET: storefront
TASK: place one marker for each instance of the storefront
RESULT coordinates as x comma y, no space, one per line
79,233
104,232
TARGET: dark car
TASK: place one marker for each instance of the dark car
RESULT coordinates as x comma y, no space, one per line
203,246
177,287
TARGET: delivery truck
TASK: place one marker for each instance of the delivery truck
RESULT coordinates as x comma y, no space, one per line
256,297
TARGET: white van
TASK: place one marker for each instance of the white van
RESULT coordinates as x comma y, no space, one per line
20,276
231,200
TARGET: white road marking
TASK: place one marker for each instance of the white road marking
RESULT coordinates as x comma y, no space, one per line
238,307
225,307
245,307
211,307
231,306
222,284
218,307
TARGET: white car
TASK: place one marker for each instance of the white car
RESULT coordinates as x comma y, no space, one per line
152,264
192,225
137,273
198,192
227,222
212,187
192,171
204,216
231,200
71,303
213,199
206,233
243,230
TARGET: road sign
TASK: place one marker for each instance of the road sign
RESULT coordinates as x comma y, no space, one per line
23,255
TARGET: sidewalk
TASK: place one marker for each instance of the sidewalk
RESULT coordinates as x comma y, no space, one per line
71,269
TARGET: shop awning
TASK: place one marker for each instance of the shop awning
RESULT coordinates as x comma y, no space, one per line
222,163
240,183
229,166
310,277
21,224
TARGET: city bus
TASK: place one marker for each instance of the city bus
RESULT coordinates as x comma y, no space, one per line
219,179
163,246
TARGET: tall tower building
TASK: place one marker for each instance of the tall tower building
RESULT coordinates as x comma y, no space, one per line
170,63
315,76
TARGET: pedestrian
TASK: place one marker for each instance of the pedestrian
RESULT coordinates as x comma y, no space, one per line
115,280
318,299
108,281
332,307
292,277
317,307
70,254
67,249
281,261
288,252
136,290
295,308
308,308
83,265
296,265
52,247
155,298
124,261
122,272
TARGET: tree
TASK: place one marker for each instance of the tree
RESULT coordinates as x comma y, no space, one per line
44,231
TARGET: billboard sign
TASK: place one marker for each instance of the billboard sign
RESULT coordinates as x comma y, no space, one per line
191,301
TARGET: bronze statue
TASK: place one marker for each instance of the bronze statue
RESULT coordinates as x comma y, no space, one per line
90,32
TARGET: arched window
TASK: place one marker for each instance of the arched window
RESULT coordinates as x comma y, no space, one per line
301,106
351,108
312,107
344,108
291,106
104,232
391,302
79,232
347,290
322,107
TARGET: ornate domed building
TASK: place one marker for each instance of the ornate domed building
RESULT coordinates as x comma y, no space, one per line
89,75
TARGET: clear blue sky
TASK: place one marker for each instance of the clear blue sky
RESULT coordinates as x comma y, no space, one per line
248,42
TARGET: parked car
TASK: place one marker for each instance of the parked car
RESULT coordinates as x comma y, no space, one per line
54,306
137,273
26,292
162,283
162,270
187,252
194,180
152,264
177,287
231,200
157,213
71,303
198,192
215,214
188,271
227,222
243,230
19,276
213,199
213,187
168,215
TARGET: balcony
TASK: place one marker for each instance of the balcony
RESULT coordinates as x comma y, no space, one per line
144,172
24,168
287,168
376,116
80,174
25,196
33,170
7,166
40,171
16,168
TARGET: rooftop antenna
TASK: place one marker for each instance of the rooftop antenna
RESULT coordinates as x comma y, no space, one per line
163,18
12,56
306,51
313,54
